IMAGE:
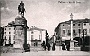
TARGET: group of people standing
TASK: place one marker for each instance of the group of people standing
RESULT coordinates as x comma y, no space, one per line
51,46
48,46
66,47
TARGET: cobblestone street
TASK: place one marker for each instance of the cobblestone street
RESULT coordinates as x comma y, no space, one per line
57,52
49,53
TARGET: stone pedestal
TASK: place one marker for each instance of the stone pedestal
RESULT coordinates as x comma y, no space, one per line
72,45
20,32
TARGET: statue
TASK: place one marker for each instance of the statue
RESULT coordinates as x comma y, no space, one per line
21,9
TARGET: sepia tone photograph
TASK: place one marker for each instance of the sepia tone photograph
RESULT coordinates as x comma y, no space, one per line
44,27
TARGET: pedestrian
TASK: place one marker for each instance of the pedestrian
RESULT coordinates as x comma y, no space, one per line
53,47
68,47
48,47
63,47
44,47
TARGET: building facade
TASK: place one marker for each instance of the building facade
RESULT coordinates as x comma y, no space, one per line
15,33
64,28
9,35
35,36
86,27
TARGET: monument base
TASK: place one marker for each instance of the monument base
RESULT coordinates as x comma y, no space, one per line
72,45
18,46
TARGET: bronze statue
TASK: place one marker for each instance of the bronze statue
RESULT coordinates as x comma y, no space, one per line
21,8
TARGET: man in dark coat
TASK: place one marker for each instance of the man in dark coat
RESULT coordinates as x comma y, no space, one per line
63,47
53,47
48,46
68,47
43,45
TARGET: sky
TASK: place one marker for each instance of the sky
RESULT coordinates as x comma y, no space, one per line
45,14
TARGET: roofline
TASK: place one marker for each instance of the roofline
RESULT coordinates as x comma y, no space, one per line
75,20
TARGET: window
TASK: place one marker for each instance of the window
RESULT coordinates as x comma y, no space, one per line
21,28
69,33
5,28
9,32
63,24
13,37
78,24
84,24
63,31
73,24
14,28
74,31
32,32
4,32
9,37
31,37
79,31
14,42
5,38
39,37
